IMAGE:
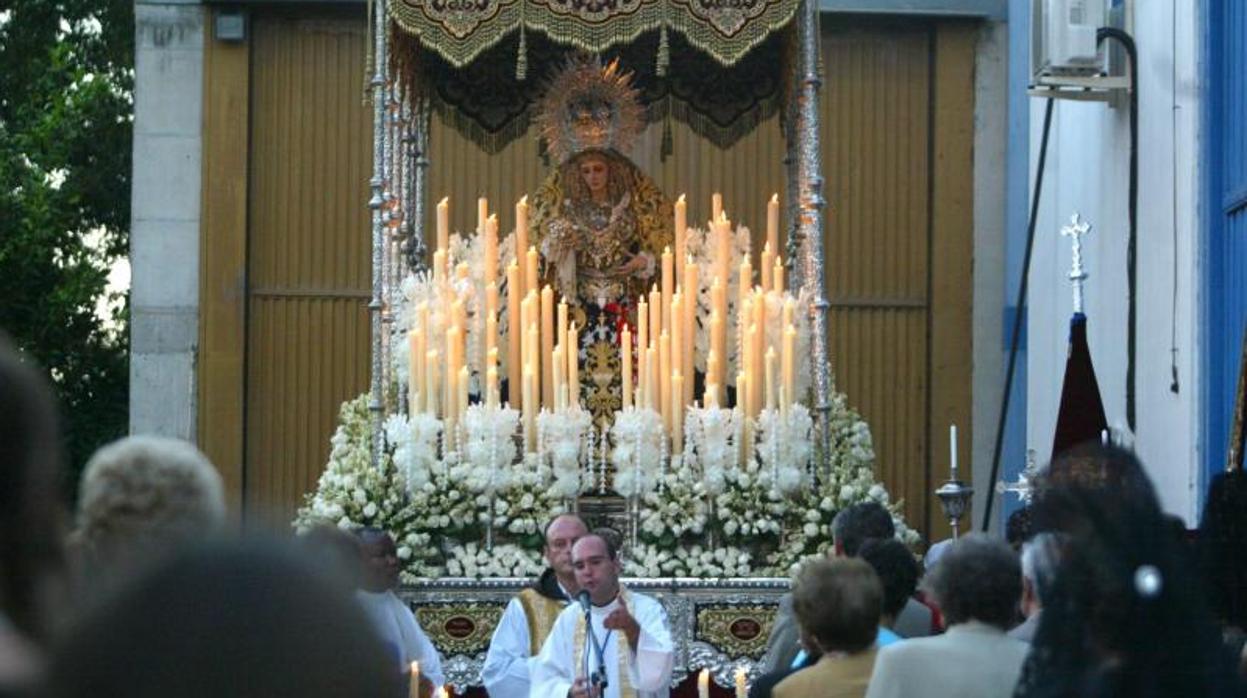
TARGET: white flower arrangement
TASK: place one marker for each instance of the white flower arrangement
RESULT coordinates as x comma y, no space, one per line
709,513
490,443
784,447
638,442
710,440
476,561
562,435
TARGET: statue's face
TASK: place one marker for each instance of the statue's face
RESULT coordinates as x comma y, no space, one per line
595,172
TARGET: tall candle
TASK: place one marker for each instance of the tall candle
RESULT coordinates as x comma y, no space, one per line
561,332
482,214
655,311
751,374
677,338
560,373
703,684
760,342
530,270
642,343
530,410
744,284
443,224
790,310
415,362
515,297
723,231
788,362
718,347
547,346
491,386
764,267
716,206
651,376
413,690
681,231
431,381
778,274
711,390
521,235
491,250
740,683
677,412
691,291
952,450
664,379
772,224
573,364
439,267
770,378
668,286
625,362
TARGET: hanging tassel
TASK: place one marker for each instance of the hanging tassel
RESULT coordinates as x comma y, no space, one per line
668,144
664,53
521,61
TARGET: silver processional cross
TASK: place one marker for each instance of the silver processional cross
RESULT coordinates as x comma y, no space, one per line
1077,274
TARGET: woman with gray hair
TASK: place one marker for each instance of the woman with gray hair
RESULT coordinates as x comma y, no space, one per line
141,497
976,584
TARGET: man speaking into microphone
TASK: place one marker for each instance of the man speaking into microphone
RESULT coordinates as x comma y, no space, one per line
613,644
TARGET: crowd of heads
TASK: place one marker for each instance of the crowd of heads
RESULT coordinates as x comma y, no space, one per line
147,568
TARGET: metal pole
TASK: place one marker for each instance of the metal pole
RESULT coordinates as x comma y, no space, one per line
420,184
810,220
375,404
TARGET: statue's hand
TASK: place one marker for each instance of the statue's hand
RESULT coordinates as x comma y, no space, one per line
639,265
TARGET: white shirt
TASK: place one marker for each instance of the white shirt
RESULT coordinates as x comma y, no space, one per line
649,671
401,633
508,665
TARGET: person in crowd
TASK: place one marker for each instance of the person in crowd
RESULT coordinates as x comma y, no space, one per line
141,498
393,620
32,562
1040,558
1018,528
898,572
529,616
337,551
838,604
976,583
1223,547
570,665
851,527
244,619
1124,616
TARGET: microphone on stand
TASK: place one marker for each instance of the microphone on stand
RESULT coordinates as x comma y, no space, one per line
583,599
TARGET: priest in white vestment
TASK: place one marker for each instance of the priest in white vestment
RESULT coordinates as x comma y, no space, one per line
529,616
631,631
392,619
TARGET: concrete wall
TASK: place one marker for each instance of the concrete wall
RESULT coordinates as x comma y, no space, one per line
164,238
991,115
1087,170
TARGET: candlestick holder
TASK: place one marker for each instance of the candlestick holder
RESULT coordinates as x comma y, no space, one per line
954,497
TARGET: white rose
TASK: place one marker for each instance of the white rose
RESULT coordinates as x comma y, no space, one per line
359,496
370,510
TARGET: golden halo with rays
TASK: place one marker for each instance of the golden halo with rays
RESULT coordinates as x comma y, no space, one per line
588,106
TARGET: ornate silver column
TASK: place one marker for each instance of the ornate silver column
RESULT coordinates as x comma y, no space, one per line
810,215
419,152
375,403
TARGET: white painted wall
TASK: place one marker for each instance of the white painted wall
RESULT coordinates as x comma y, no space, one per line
164,233
1088,159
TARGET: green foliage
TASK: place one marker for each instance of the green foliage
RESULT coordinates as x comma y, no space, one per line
66,122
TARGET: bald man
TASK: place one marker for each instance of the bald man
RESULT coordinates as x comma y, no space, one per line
530,615
633,639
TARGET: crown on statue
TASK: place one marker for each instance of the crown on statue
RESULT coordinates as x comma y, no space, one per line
588,106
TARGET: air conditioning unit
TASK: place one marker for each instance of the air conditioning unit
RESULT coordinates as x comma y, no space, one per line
1063,37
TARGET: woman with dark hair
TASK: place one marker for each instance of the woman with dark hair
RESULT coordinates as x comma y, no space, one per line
31,517
1123,617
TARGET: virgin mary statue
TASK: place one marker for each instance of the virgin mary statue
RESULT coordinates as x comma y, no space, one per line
600,222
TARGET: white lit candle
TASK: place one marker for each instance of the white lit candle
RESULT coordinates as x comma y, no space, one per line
521,235
703,684
413,690
740,683
668,287
772,224
625,362
443,224
547,346
952,449
681,231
